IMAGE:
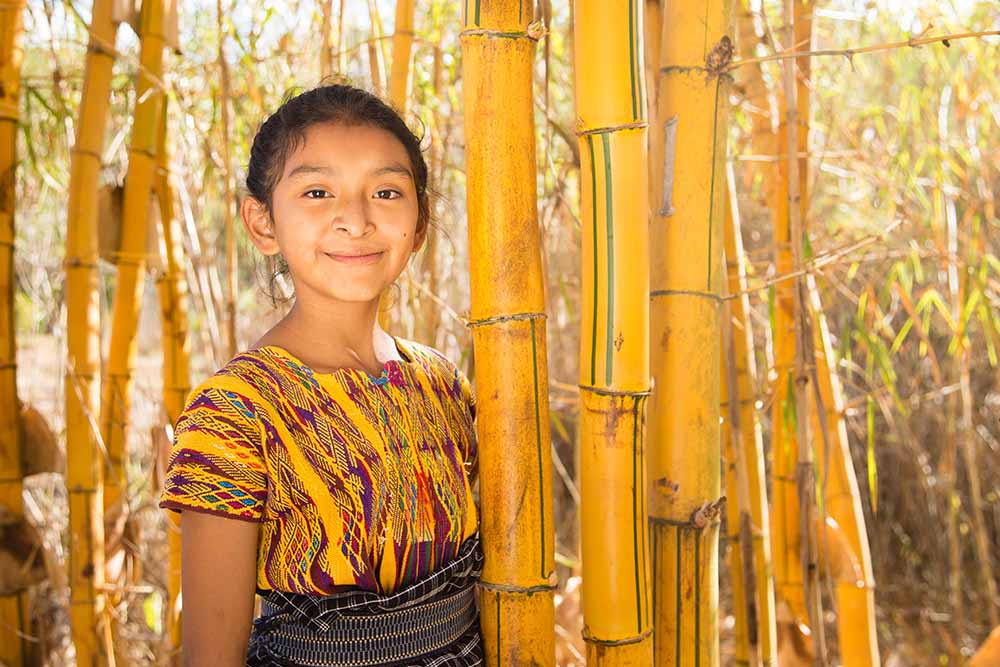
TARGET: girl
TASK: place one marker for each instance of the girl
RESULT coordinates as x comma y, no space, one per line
329,468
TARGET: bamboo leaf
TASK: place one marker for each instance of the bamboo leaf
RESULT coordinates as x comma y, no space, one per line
872,469
901,336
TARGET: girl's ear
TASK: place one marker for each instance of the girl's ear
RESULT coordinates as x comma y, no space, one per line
420,237
257,221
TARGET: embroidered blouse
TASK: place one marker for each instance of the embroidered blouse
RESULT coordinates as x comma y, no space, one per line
358,482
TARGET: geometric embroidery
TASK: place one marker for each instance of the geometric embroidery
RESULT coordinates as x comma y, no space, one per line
358,482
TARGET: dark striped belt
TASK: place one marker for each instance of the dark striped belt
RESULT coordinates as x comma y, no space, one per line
362,628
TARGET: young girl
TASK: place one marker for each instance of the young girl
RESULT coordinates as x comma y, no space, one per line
329,468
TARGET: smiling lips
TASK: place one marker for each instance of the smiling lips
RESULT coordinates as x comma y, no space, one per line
356,258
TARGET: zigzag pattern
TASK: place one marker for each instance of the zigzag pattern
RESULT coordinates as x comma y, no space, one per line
358,482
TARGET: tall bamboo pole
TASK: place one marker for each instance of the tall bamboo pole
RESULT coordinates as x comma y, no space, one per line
399,97
508,320
857,633
614,341
798,24
746,485
325,48
84,480
402,45
15,622
116,388
686,284
653,30
229,202
172,291
788,186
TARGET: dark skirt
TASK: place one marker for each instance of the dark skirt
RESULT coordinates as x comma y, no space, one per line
295,615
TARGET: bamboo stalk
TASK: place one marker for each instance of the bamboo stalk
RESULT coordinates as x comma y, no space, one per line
508,320
116,387
402,45
229,202
614,342
748,519
653,30
857,632
789,584
172,290
15,619
798,27
689,137
325,49
84,480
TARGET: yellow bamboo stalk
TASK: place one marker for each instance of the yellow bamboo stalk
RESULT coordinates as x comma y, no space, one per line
614,342
789,583
686,281
172,291
84,480
399,85
831,453
15,622
116,388
325,48
746,484
229,202
508,320
798,26
857,633
402,44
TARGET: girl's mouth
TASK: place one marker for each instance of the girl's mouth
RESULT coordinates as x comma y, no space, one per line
356,259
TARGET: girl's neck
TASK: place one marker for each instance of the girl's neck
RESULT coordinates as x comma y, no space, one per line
328,337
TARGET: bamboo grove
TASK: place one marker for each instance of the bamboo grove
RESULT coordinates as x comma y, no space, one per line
652,207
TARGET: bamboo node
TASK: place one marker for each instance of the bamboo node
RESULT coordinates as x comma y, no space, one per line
501,34
613,392
551,585
590,639
707,513
719,58
505,318
537,30
582,131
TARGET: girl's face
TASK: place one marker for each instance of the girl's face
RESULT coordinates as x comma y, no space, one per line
344,213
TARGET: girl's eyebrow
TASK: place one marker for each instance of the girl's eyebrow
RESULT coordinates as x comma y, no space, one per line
392,168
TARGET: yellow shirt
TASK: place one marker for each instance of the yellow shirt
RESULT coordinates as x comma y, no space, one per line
357,481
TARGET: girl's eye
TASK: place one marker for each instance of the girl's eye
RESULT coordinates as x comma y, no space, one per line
396,192
322,193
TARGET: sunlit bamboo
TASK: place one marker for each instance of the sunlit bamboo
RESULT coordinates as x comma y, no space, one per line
85,459
614,338
15,620
747,513
689,139
508,320
116,386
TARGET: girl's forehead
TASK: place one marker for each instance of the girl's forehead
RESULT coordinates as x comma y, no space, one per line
332,145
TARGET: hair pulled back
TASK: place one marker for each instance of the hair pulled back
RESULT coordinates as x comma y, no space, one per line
284,131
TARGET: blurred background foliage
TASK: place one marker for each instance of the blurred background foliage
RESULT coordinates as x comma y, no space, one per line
903,229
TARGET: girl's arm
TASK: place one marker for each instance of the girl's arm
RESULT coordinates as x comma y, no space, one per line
218,581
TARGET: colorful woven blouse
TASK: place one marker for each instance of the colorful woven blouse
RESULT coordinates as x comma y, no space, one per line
358,482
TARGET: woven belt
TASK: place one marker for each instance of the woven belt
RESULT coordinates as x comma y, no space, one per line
363,628
372,640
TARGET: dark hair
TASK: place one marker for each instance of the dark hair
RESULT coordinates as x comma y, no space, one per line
285,130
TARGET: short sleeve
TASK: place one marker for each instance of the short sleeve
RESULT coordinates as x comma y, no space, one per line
216,463
471,453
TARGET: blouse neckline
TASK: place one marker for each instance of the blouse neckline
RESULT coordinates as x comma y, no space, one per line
407,361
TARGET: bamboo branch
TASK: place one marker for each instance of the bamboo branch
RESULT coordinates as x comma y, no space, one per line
817,262
913,42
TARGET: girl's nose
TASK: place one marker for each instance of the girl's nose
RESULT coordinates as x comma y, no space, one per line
352,214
